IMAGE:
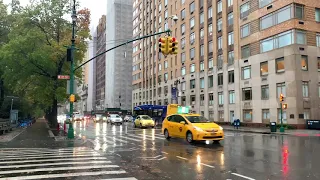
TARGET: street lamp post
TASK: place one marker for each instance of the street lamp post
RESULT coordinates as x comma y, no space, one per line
176,82
74,18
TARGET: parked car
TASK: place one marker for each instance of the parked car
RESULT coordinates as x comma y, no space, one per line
114,119
78,117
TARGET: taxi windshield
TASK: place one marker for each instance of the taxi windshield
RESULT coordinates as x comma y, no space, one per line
198,119
145,117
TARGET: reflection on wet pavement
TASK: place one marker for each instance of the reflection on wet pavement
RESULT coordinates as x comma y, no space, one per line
239,156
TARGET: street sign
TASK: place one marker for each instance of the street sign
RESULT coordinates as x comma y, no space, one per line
63,77
174,93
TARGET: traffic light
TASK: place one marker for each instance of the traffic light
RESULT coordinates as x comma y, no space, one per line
281,97
163,46
69,54
284,106
72,98
173,45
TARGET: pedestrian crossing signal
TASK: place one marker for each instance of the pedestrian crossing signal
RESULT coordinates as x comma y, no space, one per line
284,106
72,98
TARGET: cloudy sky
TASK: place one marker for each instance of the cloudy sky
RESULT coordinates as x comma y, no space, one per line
97,7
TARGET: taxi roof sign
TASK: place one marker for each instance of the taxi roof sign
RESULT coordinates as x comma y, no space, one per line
183,110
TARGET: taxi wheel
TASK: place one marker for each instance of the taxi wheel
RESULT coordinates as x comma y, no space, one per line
166,134
134,125
189,137
140,125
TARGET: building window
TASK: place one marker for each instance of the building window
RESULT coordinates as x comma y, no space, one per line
210,99
220,61
183,86
201,18
201,33
318,60
210,29
230,3
244,10
201,50
201,66
192,84
230,38
282,40
245,30
265,92
230,57
183,43
183,71
305,89
210,47
192,7
183,100
317,14
211,114
246,94
210,83
231,77
263,3
230,19
284,116
247,115
192,22
231,97
304,63
298,11
183,14
280,65
219,6
192,53
201,99
165,77
159,66
219,24
183,57
220,42
192,37
265,116
264,68
192,68
165,64
281,89
221,115
220,79
246,72
306,114
245,51
183,29
201,83
193,99
220,98
209,12
210,63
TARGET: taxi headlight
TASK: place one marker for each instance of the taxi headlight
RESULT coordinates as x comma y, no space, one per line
104,118
197,128
220,128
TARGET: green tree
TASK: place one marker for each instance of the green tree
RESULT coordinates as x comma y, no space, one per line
36,53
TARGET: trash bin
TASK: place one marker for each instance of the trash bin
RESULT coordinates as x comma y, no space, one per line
273,126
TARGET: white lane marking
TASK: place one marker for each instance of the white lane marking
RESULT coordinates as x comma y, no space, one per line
164,152
46,157
55,164
153,136
245,177
114,138
51,176
129,178
59,169
51,160
151,157
207,165
132,139
161,158
181,157
43,151
141,137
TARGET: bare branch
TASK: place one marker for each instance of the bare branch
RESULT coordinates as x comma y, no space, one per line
36,23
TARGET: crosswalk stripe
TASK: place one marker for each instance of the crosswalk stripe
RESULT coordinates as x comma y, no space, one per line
129,178
139,137
117,139
44,154
153,136
55,164
51,160
58,169
44,157
131,139
48,176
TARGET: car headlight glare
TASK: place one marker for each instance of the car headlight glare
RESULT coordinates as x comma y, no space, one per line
197,128
220,128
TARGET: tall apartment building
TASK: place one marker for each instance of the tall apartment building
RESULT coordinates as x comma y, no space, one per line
91,106
235,59
100,65
119,61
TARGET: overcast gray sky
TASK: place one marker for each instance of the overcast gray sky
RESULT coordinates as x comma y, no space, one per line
97,7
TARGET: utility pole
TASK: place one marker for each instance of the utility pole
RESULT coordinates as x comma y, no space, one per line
74,19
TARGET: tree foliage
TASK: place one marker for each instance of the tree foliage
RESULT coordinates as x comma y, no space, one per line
35,53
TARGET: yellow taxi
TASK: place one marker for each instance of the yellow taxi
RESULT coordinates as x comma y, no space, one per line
192,127
144,121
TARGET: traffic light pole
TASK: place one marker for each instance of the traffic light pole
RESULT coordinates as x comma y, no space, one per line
71,130
281,128
125,43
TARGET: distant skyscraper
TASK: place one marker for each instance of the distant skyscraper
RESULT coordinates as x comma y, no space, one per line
91,105
119,61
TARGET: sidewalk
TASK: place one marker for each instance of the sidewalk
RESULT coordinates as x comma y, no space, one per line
296,132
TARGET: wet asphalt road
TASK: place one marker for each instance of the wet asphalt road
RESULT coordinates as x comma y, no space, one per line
146,154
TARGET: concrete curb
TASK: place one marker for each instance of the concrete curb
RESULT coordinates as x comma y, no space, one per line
264,132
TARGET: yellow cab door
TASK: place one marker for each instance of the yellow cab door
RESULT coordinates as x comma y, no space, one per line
180,129
137,121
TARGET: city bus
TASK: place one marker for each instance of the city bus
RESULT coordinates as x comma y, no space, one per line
157,112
